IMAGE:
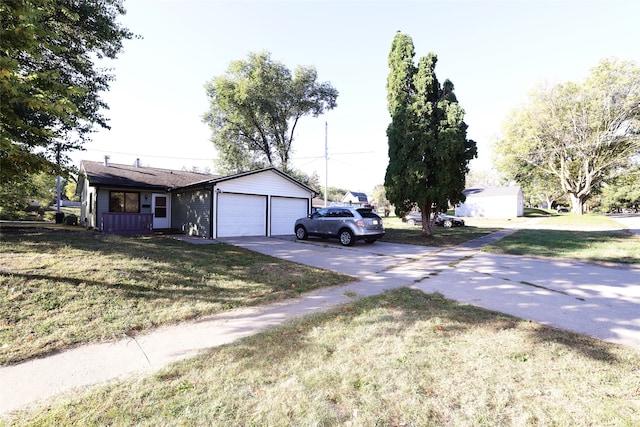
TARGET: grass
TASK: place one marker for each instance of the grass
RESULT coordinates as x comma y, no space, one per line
568,237
397,231
403,358
556,236
65,286
600,246
581,221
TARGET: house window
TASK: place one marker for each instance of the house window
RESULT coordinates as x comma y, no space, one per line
120,201
90,202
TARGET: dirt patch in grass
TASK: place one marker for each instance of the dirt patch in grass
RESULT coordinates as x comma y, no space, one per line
402,358
61,287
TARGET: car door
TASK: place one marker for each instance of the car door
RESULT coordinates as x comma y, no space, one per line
325,225
315,224
336,219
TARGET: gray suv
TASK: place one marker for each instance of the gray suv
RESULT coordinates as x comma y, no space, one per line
346,223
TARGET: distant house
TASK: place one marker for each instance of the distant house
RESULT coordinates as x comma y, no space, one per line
354,198
492,202
134,199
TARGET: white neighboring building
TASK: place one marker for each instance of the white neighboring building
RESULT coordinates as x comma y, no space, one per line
492,202
354,198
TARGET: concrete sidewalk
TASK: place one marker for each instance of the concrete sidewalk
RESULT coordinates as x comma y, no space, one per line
602,301
39,379
596,300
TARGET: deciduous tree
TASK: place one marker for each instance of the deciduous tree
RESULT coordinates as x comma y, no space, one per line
429,152
49,83
623,191
255,108
575,134
380,200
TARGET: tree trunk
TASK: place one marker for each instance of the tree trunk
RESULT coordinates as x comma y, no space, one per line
577,204
427,221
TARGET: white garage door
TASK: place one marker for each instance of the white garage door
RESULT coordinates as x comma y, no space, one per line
241,215
284,212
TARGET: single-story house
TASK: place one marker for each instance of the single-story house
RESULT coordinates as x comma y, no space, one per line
133,199
354,198
492,202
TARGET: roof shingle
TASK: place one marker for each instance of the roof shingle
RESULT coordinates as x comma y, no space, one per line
133,176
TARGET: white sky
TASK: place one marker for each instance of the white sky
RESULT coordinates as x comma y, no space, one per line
495,52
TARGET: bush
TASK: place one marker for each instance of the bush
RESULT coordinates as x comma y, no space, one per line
71,219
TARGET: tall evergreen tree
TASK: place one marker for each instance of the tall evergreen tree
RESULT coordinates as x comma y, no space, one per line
429,152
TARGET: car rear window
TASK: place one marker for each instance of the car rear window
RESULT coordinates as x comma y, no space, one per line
367,213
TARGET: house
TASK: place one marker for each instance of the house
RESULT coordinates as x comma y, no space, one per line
353,198
133,199
492,202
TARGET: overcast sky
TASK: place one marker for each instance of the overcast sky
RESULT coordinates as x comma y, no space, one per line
495,52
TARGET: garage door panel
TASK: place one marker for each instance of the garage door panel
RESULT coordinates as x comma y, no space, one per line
242,215
284,212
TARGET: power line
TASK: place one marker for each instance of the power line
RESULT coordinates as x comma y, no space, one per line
148,155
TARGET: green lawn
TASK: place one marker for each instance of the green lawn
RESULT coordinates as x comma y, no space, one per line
402,358
569,236
555,236
397,231
64,286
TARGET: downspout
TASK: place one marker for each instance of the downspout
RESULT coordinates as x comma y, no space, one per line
211,212
95,211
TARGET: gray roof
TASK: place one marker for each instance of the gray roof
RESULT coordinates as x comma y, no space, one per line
362,197
491,191
116,175
129,176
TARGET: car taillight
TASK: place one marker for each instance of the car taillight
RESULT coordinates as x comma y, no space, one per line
359,223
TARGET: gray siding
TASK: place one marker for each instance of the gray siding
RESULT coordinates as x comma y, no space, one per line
191,212
102,206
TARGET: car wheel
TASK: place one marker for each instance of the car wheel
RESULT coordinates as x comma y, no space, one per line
301,233
346,237
370,240
411,222
447,223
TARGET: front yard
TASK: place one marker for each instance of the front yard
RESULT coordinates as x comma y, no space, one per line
403,358
64,286
399,358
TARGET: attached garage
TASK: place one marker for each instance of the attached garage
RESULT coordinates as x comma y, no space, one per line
265,202
284,212
241,215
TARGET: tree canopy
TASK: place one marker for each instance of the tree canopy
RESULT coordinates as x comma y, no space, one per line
255,108
575,135
429,152
49,84
622,192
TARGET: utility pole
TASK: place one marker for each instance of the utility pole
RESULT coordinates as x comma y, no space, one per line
58,178
326,165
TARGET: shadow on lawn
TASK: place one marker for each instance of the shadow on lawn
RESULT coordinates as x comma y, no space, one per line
61,288
156,267
456,318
